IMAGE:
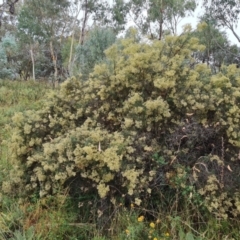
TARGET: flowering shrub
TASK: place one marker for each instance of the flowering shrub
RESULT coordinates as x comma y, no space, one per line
147,99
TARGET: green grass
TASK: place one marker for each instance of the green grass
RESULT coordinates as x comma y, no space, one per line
17,96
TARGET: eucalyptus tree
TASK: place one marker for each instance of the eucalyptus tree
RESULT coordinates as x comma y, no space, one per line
152,17
224,13
214,41
45,22
84,14
114,15
218,48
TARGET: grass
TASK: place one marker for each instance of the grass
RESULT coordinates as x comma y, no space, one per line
16,96
168,215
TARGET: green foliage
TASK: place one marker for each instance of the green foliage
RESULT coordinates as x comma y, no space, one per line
92,51
29,235
119,12
8,48
16,92
50,218
65,51
218,49
46,27
41,25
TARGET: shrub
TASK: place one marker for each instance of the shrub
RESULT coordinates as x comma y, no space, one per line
144,120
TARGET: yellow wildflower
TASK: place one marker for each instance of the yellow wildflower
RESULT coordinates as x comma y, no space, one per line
152,225
167,234
127,231
141,218
155,238
132,205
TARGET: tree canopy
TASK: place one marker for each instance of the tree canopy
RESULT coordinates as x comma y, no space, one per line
51,33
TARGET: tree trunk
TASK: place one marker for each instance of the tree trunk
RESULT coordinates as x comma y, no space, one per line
54,60
160,30
70,56
81,39
161,21
70,61
33,62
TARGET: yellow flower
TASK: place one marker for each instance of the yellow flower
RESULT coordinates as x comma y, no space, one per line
155,238
132,205
167,234
127,231
141,218
152,225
